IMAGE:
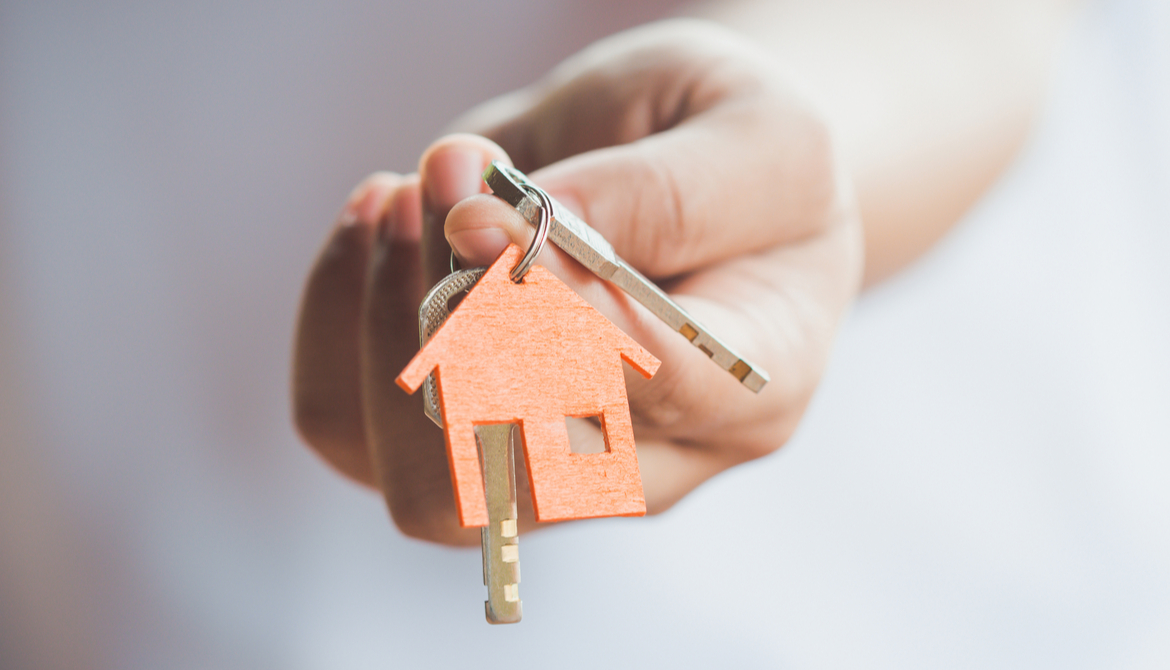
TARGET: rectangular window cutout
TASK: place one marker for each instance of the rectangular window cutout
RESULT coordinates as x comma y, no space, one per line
586,434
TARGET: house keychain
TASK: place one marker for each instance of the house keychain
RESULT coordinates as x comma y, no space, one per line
520,312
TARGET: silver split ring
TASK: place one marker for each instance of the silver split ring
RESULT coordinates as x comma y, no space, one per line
546,213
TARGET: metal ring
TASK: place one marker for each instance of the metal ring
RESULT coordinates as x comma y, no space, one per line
546,213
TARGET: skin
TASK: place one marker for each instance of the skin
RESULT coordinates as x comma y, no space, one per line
691,151
929,101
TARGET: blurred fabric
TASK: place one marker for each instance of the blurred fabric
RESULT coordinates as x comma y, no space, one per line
982,480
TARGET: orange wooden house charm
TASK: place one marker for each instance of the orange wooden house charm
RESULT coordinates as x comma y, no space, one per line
533,354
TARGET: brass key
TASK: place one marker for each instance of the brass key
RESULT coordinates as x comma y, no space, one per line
501,549
588,247
499,539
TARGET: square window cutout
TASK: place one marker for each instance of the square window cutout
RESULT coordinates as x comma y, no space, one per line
586,435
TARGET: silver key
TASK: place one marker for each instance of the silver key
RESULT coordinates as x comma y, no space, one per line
579,240
432,313
499,539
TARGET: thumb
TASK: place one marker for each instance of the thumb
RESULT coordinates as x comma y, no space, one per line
740,178
679,142
451,170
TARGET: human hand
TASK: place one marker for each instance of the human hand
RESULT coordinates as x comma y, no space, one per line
686,149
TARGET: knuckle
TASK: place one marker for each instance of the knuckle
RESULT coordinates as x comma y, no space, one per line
662,237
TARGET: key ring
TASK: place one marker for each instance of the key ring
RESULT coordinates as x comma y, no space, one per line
546,208
525,264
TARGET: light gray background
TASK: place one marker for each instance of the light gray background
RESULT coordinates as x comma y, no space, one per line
981,482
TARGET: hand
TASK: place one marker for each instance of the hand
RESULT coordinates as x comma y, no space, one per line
686,149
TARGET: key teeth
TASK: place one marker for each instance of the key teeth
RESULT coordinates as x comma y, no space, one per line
510,553
501,549
508,528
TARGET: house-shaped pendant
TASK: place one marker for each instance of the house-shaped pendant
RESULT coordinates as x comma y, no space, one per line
533,353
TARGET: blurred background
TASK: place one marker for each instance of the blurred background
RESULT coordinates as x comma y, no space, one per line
982,480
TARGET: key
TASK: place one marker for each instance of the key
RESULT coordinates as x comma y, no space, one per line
521,355
588,247
499,539
501,549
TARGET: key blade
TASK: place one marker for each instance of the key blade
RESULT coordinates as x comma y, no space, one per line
590,248
672,314
500,542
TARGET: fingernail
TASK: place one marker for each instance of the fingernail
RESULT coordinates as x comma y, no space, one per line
369,208
478,246
454,175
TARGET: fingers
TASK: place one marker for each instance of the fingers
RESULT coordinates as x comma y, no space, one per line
451,169
407,451
638,125
326,381
358,326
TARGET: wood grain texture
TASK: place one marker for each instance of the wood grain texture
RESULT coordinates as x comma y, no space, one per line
532,354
